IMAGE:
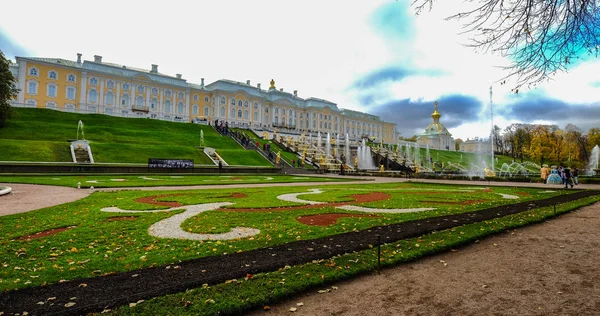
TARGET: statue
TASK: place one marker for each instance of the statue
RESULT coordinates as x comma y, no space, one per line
488,173
265,135
278,158
321,160
272,84
356,163
381,168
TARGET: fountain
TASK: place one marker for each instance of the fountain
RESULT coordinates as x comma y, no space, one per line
201,138
337,146
328,145
365,160
347,149
318,141
80,131
593,163
518,169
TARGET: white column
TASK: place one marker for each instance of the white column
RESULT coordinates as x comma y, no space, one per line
117,101
101,96
22,84
83,92
187,103
148,92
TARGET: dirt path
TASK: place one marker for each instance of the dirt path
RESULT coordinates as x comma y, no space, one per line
546,269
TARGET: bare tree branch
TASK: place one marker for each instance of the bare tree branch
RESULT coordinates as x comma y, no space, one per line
540,37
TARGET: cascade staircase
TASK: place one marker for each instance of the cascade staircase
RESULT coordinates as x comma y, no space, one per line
82,156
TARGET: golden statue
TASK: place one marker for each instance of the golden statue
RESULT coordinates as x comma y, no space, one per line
381,168
333,141
278,158
356,163
334,152
416,168
321,160
265,135
488,172
272,84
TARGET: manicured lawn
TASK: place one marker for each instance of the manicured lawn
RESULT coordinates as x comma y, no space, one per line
95,244
42,134
149,180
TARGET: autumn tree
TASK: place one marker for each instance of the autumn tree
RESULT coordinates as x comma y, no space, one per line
593,137
540,146
540,37
7,89
577,143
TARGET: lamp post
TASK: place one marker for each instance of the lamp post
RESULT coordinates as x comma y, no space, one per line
492,131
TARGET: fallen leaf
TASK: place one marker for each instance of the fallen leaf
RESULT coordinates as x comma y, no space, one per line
267,307
300,304
132,304
293,309
82,285
51,298
69,304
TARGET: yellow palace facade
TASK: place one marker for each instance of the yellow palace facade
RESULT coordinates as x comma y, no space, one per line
85,86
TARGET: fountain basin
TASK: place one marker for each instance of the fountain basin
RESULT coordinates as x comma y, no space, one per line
5,190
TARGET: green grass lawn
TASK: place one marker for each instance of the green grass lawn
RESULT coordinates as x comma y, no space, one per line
150,180
42,134
96,244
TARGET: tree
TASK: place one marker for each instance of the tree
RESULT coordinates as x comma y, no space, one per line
457,143
7,89
498,140
593,137
576,143
540,37
540,146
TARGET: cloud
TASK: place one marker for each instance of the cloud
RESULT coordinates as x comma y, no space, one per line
382,75
542,109
9,47
412,117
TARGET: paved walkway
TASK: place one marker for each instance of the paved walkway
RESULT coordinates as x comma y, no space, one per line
28,197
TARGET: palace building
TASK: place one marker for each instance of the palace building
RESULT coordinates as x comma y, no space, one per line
96,86
436,135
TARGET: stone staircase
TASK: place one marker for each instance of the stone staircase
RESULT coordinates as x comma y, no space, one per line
82,156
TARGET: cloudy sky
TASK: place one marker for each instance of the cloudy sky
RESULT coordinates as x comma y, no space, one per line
374,56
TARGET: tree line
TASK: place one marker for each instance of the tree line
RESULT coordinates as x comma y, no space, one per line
546,143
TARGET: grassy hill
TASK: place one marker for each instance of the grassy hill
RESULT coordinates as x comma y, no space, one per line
42,135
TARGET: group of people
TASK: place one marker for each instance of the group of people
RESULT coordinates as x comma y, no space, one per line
560,175
222,127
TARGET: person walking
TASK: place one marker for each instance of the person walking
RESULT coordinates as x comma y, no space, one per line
567,178
575,176
220,166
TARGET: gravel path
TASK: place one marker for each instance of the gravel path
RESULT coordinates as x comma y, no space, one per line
27,197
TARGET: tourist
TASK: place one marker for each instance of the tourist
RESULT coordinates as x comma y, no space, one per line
567,178
544,173
293,162
220,166
576,175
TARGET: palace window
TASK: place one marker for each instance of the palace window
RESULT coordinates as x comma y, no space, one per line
246,114
222,111
256,105
276,120
276,111
232,115
110,84
232,101
266,110
52,75
195,109
51,90
92,96
206,111
180,95
240,103
32,87
206,99
109,98
195,97
139,101
246,104
168,93
153,103
125,86
239,113
125,99
168,106
154,91
222,100
180,107
71,78
256,116
31,102
71,93
93,81
33,71
51,104
140,89
290,121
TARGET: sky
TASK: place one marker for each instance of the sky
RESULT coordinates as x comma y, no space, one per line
374,56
